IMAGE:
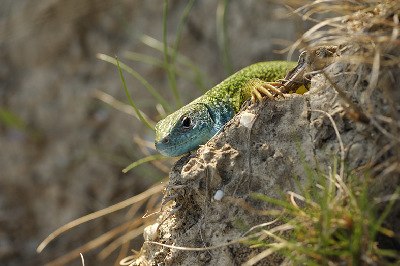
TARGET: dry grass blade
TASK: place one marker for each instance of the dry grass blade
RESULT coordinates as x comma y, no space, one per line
82,259
153,203
260,226
138,198
118,105
262,255
121,240
293,195
236,241
90,245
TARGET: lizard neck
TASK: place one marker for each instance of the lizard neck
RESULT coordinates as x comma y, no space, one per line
220,113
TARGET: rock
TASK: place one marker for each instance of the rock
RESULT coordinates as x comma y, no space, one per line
286,138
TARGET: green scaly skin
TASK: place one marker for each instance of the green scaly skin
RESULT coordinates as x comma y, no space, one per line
197,122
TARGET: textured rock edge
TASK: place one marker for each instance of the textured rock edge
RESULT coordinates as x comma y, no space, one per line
264,149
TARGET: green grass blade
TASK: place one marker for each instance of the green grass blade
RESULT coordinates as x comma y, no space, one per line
144,59
170,67
132,103
282,203
179,31
200,79
142,80
222,37
142,161
394,197
150,60
118,105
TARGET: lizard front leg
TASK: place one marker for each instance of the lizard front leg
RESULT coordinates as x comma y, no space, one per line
259,88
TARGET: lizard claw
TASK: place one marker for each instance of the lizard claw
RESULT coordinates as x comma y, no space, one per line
261,88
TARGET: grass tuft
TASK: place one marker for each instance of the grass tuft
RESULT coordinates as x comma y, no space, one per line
337,225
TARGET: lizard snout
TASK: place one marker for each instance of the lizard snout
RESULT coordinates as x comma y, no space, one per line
165,147
162,141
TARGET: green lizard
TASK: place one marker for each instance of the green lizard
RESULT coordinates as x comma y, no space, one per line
196,123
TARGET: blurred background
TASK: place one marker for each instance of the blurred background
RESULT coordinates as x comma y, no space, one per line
62,148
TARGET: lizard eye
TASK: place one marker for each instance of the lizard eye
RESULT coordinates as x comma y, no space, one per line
186,122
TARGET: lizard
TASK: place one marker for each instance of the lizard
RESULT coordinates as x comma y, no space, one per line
197,122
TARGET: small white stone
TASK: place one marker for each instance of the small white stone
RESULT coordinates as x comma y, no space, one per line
150,232
247,119
218,195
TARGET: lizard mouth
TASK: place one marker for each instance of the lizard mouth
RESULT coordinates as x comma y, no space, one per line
177,149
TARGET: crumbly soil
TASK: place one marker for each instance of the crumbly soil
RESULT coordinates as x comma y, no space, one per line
287,137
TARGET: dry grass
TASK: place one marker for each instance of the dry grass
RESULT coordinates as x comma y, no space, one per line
117,237
367,33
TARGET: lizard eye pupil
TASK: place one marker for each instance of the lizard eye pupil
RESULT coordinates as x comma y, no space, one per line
186,122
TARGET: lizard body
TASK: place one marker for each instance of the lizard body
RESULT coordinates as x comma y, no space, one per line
198,121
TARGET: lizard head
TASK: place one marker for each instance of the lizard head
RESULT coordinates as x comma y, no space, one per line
184,130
